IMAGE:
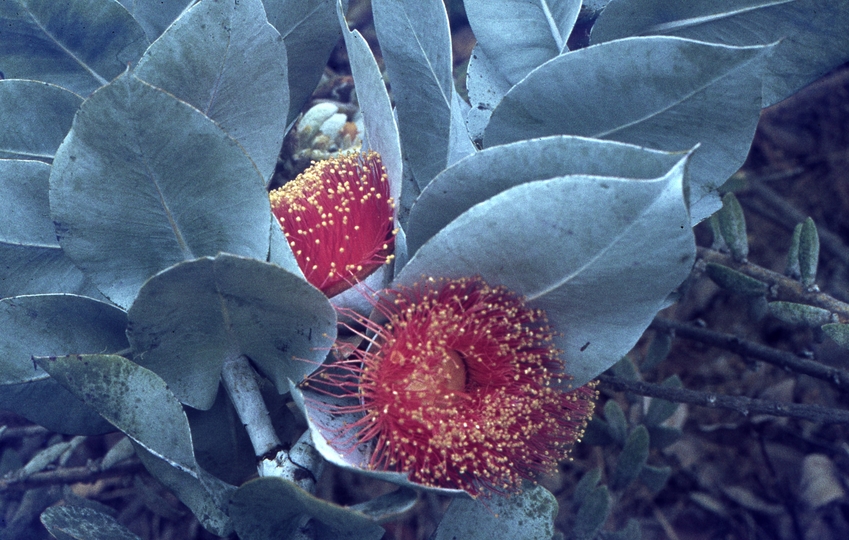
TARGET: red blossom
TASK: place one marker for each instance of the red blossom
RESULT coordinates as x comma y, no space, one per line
457,388
338,218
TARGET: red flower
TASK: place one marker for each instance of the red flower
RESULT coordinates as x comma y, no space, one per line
458,388
338,218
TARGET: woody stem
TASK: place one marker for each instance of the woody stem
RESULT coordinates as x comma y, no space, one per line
302,464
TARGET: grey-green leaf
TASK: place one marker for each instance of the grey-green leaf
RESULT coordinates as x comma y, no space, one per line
130,397
658,351
77,44
144,181
659,409
617,425
812,33
592,514
381,131
646,91
221,443
24,204
31,261
390,506
83,523
732,225
518,36
310,31
838,332
272,507
735,281
36,117
205,495
54,324
486,85
155,16
528,515
632,459
800,314
655,477
663,436
585,486
49,404
809,252
416,46
228,62
139,403
187,319
792,268
631,531
598,255
489,172
26,269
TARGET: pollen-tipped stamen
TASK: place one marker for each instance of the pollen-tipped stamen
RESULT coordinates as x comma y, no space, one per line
460,388
338,217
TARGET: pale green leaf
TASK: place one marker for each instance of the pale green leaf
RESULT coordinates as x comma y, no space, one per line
228,62
144,181
310,31
155,15
77,44
272,507
528,515
381,131
517,35
416,46
811,33
83,523
493,170
36,117
646,91
131,398
189,318
598,255
31,260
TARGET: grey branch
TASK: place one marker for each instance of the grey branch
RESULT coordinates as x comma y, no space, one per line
69,475
241,384
780,286
741,404
737,345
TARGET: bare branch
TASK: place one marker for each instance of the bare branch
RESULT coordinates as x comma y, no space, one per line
749,349
741,404
69,475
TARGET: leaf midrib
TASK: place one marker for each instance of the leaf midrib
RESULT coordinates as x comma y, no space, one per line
101,80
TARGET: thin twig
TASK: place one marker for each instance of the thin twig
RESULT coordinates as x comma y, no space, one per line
749,349
741,404
780,286
69,475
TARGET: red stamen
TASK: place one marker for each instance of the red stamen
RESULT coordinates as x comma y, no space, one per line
338,219
458,388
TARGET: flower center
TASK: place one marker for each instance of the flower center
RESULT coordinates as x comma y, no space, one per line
442,385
